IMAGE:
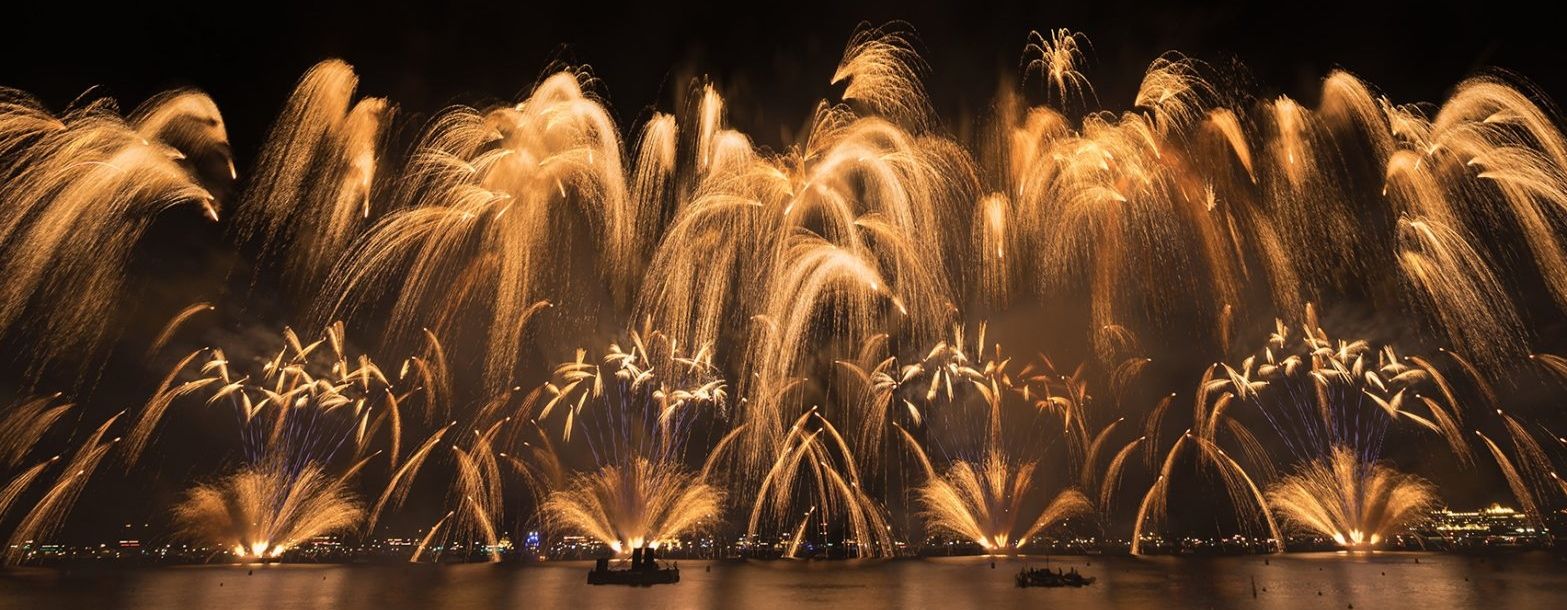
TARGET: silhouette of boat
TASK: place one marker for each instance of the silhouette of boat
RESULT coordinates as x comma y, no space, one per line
644,571
1045,577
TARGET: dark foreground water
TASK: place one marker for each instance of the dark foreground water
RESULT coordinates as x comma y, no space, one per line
1321,580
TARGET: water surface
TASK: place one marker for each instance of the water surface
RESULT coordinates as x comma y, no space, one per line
1423,581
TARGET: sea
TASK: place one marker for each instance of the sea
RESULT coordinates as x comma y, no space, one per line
1418,581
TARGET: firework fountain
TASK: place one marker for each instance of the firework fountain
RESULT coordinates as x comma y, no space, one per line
634,410
991,496
1330,405
299,412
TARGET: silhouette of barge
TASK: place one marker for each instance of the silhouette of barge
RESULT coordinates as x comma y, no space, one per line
644,571
1045,577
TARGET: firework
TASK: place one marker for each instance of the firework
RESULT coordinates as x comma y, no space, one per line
1356,504
25,423
985,503
299,412
993,496
815,464
639,505
79,190
634,409
484,194
811,302
51,510
174,324
312,188
1331,405
263,510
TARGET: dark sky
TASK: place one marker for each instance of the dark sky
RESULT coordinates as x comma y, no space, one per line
772,59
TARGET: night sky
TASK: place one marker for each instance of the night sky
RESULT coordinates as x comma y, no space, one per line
772,60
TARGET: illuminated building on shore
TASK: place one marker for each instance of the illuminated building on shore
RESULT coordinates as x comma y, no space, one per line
1494,525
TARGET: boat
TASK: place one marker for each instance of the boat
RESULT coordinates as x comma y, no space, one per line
1045,577
644,571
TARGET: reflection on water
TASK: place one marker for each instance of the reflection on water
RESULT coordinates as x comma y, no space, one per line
1325,580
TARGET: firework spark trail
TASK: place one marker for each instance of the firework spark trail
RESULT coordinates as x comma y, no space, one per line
471,491
985,503
424,543
434,377
312,187
1447,414
78,191
1529,471
796,539
836,215
174,324
152,413
51,511
1155,501
1492,126
992,240
793,450
1056,60
814,464
1095,201
497,181
1152,425
882,71
1452,279
24,424
1094,196
1086,477
1529,457
1515,481
1244,494
1112,477
20,483
401,482
1556,365
1355,398
476,490
838,219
